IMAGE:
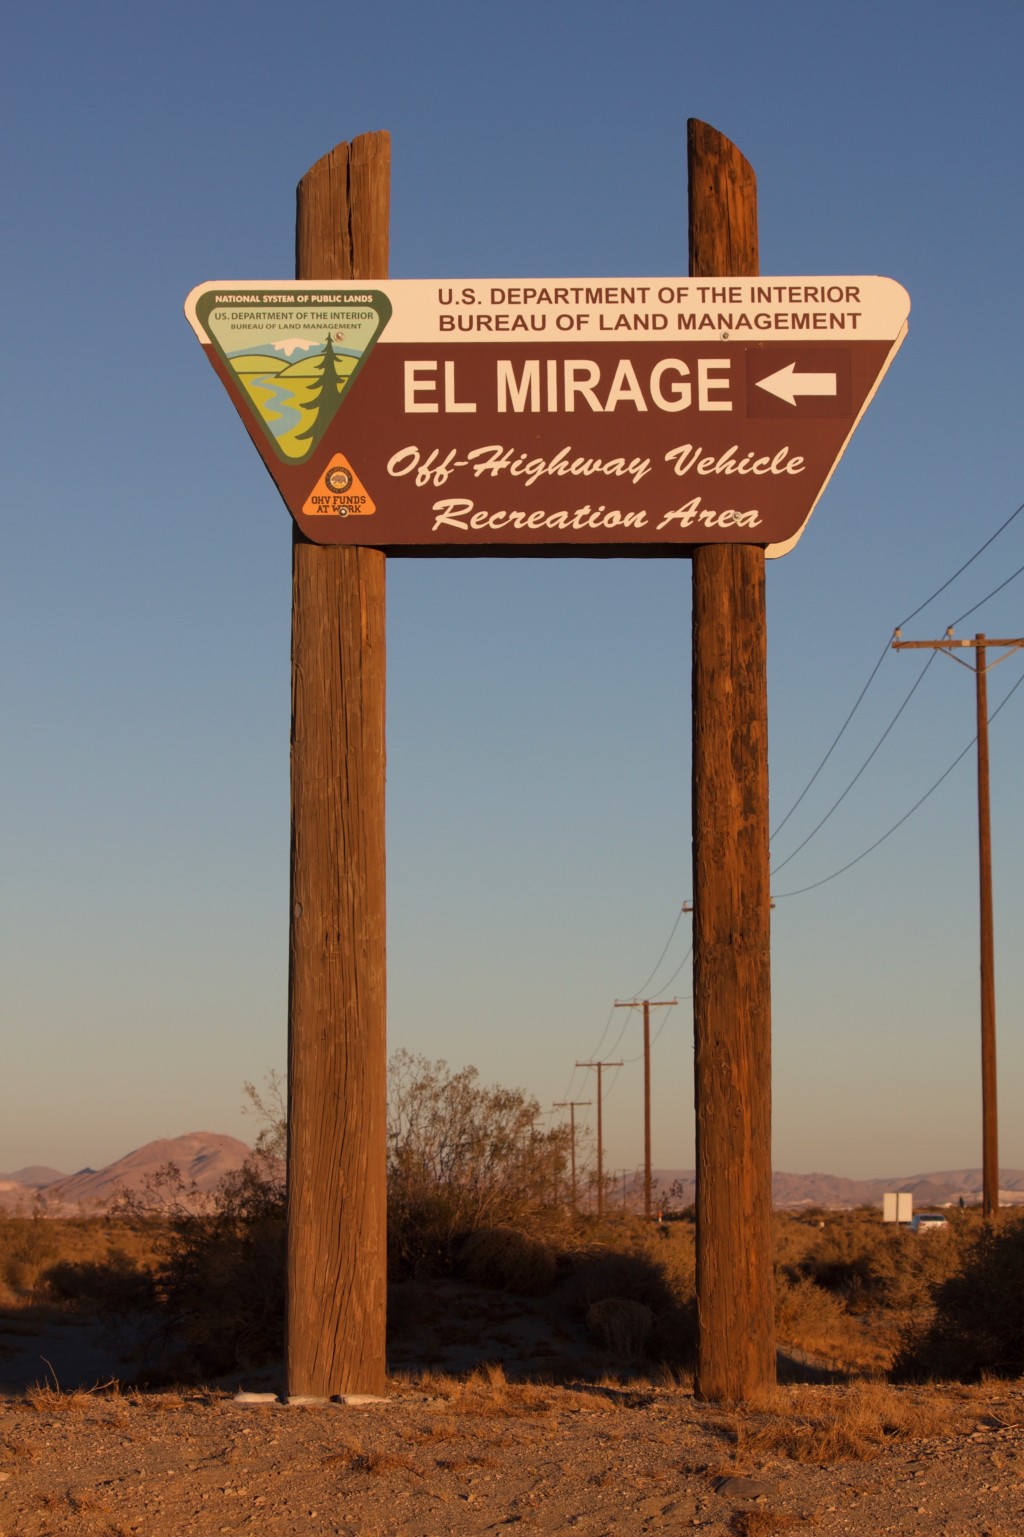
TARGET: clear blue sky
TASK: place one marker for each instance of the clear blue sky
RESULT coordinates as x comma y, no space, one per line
539,711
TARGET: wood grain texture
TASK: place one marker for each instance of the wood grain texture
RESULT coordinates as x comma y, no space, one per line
731,893
989,1077
337,1051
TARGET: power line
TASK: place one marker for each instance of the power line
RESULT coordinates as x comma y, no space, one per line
835,743
885,649
837,803
572,1105
980,551
984,600
675,974
638,990
781,895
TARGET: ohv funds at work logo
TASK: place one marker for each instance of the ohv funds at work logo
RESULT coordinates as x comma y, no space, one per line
339,493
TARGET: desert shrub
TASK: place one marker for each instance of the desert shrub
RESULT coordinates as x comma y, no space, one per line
461,1157
509,1260
626,1270
868,1264
115,1285
33,1248
620,1326
809,1318
976,1326
222,1280
632,1275
27,1246
673,1339
629,1259
270,1106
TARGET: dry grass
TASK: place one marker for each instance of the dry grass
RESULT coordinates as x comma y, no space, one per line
851,1424
762,1521
52,1399
352,1457
487,1392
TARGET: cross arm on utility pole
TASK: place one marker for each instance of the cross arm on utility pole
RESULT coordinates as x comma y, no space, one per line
951,643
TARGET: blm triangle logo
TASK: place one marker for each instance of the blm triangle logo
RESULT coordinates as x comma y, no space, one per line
292,355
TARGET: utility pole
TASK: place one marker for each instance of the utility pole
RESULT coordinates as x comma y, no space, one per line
600,1130
989,1121
571,1105
647,1005
731,923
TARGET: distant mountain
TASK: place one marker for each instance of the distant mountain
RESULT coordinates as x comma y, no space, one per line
677,1187
201,1157
35,1175
204,1157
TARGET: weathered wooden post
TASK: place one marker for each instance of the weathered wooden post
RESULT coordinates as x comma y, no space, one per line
337,980
731,897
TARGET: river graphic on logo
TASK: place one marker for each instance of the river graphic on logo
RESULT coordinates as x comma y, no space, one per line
293,356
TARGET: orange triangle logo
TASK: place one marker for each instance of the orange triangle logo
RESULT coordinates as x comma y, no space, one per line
339,493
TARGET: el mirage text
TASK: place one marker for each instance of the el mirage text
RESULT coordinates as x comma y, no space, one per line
568,384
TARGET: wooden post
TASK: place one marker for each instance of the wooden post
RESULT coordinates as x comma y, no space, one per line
989,1114
647,1110
731,902
337,1099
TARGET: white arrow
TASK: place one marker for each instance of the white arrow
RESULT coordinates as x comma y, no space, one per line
787,384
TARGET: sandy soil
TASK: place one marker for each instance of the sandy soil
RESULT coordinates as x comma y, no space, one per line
587,1460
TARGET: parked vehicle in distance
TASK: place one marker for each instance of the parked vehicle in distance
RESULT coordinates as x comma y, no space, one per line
929,1222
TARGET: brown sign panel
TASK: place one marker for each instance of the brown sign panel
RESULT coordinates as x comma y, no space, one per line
636,415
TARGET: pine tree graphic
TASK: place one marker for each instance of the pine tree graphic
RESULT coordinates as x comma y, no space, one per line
323,398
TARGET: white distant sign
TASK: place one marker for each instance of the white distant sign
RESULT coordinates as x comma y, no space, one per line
897,1206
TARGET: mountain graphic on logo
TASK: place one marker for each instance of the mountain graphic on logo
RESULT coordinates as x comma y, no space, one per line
293,366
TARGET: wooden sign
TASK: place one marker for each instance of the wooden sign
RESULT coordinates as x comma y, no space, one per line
545,416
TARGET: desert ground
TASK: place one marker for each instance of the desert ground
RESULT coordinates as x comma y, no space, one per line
488,1448
485,1456
539,1378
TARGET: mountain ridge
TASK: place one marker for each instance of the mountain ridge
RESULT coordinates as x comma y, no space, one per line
203,1158
836,1192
